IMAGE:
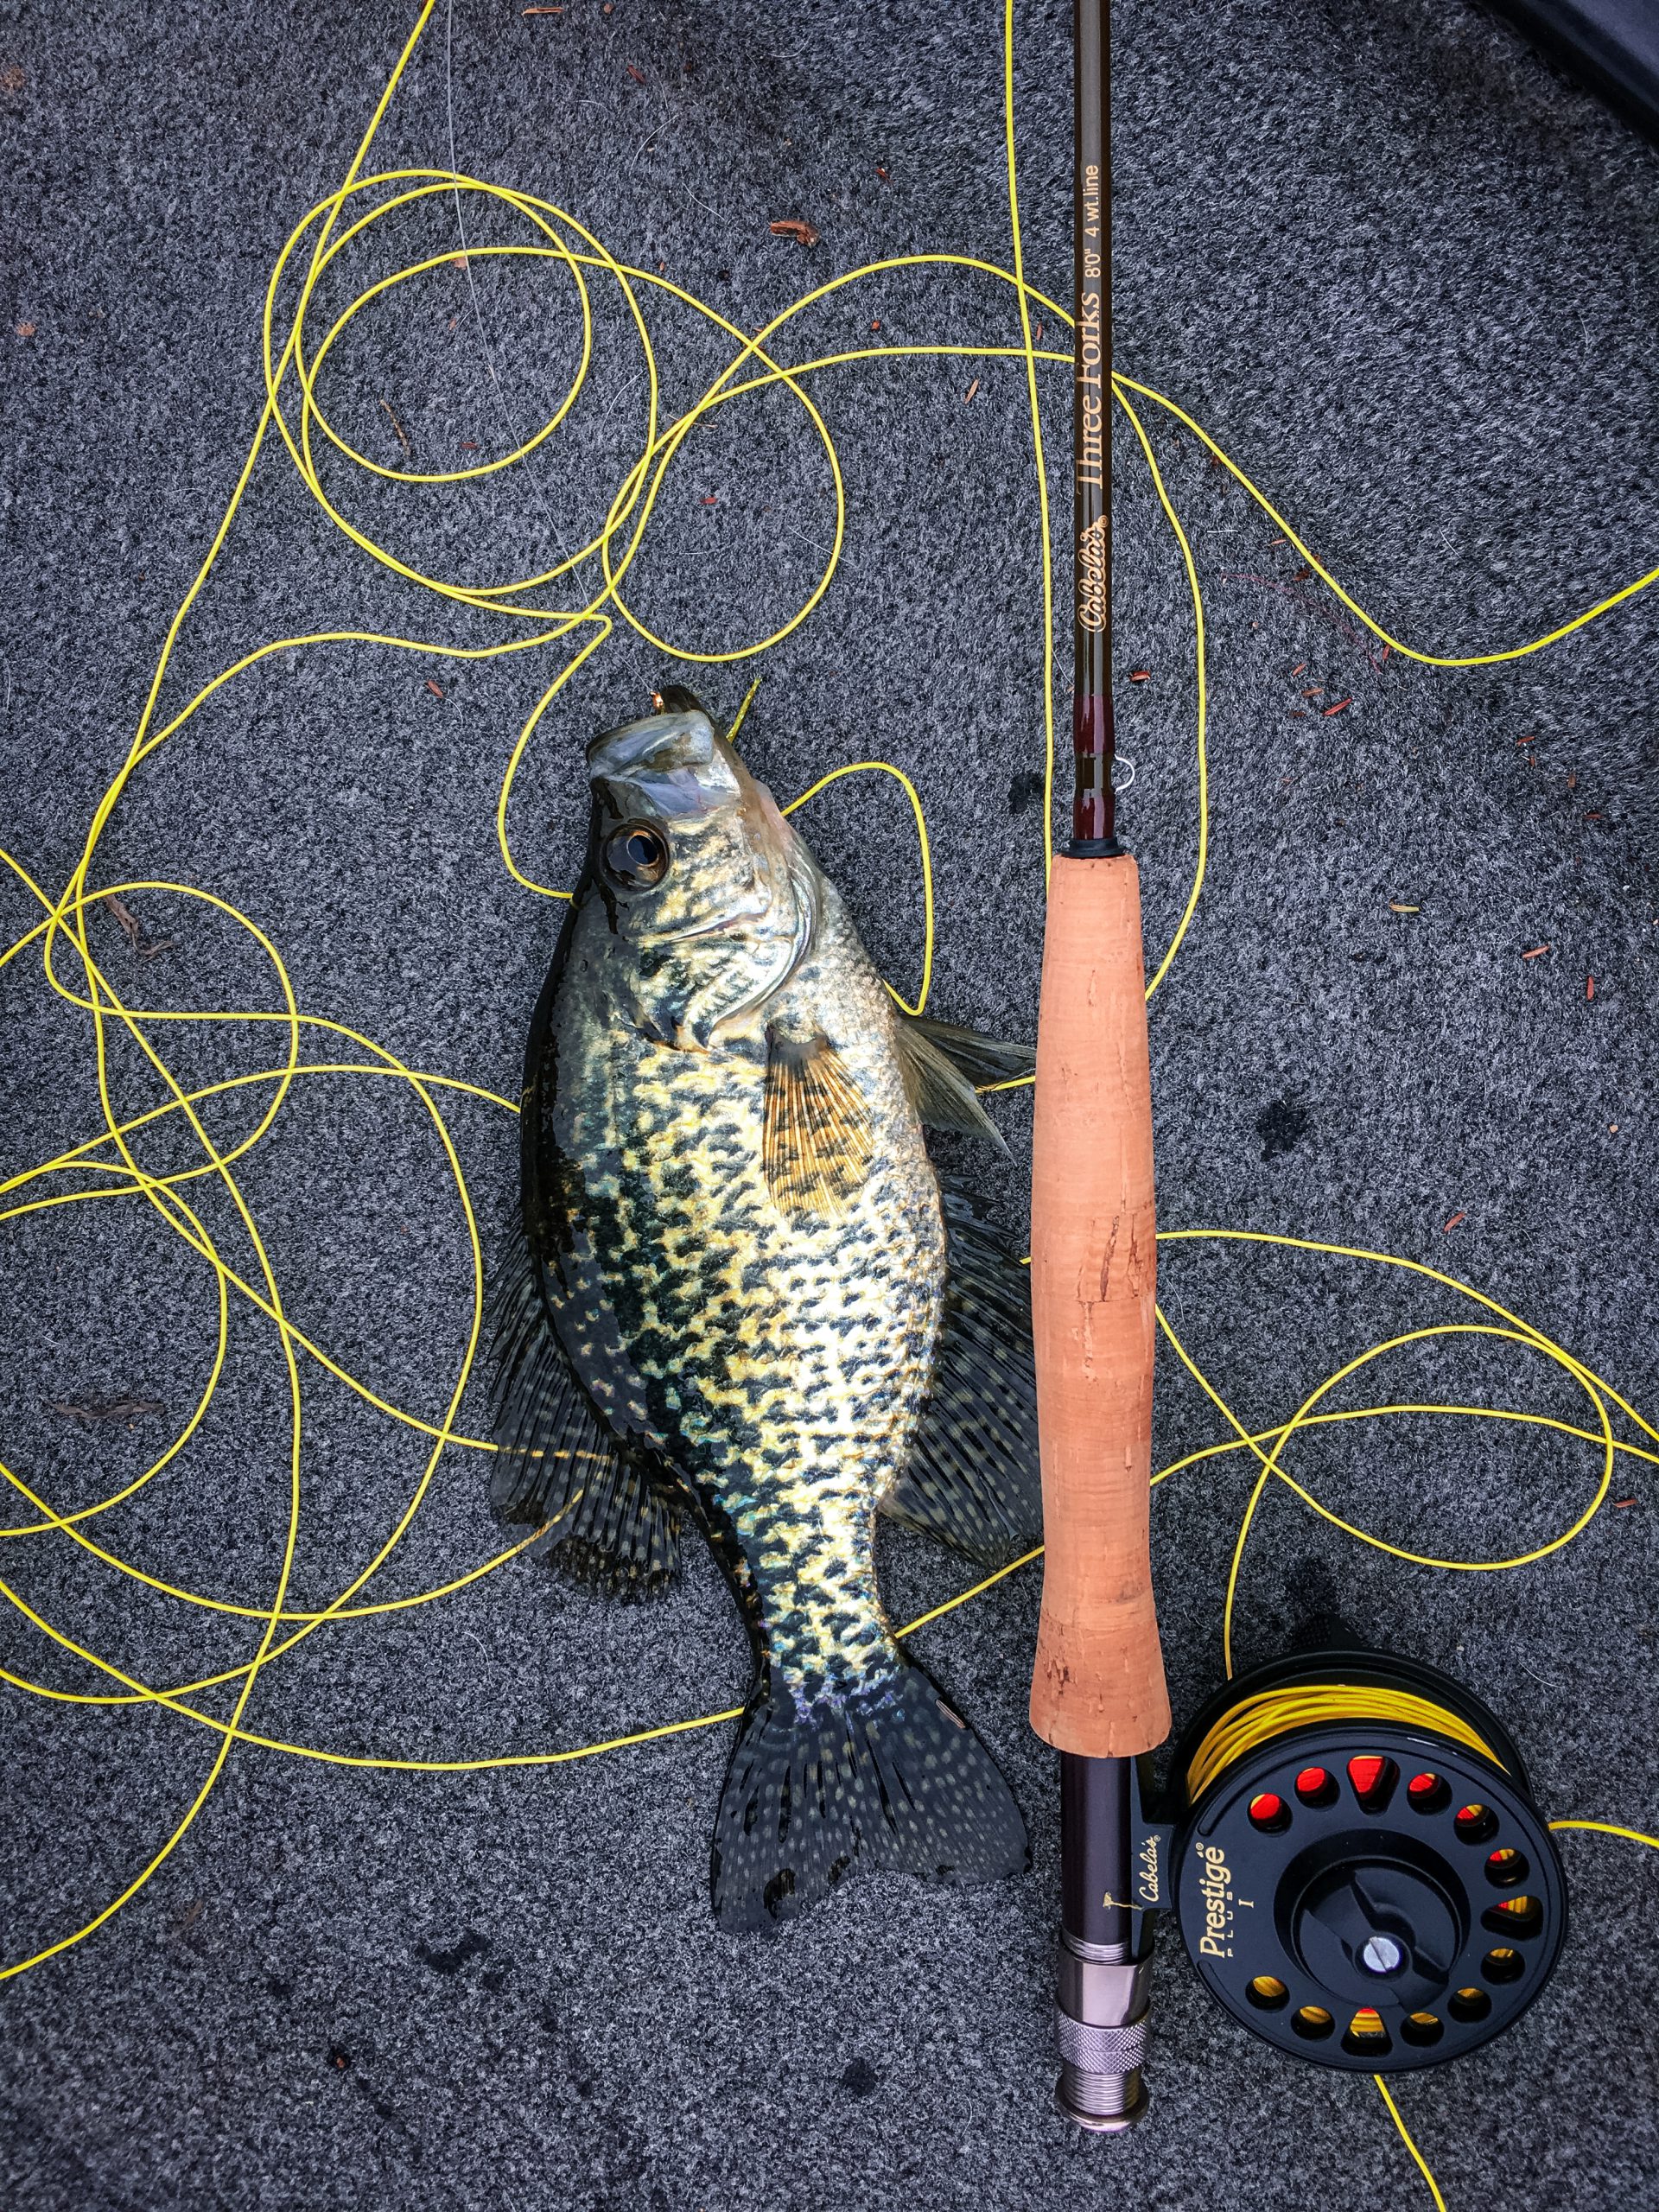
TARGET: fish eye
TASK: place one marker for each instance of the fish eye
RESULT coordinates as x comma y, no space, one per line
635,855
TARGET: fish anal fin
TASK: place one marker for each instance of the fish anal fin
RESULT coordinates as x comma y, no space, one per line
973,1478
606,1516
816,1138
623,1536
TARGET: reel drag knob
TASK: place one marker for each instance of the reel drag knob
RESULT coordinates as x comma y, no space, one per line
1361,1921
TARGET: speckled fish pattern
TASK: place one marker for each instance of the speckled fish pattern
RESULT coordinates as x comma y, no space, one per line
734,1236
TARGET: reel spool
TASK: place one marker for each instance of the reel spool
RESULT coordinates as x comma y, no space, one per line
1360,1875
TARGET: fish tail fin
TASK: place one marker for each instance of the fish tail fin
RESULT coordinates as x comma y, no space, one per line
884,1773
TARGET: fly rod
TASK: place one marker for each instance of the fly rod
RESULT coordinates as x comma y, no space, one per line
1098,1688
1346,1838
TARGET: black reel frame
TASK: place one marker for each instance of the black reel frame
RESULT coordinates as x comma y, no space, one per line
1368,1894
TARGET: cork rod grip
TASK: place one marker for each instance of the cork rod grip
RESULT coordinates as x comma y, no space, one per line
1097,1687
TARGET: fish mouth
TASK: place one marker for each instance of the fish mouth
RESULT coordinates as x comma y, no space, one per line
667,764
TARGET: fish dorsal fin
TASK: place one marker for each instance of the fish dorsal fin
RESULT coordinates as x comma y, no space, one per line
817,1135
973,1478
607,1519
940,1061
981,1059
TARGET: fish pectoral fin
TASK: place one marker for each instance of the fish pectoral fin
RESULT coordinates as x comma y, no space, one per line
606,1513
881,1771
816,1139
973,1478
942,1062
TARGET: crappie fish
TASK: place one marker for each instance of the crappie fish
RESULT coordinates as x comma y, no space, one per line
742,1292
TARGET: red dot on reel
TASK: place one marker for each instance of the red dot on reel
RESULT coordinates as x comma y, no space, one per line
1373,1779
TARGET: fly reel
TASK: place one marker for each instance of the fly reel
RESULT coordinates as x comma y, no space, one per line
1358,1872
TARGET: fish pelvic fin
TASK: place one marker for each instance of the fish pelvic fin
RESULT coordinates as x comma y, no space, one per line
942,1063
607,1519
817,1141
879,1774
973,1478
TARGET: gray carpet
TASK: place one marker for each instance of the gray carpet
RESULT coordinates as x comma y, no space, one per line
1407,275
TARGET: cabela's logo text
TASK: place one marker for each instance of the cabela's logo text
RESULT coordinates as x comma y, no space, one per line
1091,575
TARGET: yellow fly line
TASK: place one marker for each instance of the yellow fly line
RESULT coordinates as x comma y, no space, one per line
1244,1727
